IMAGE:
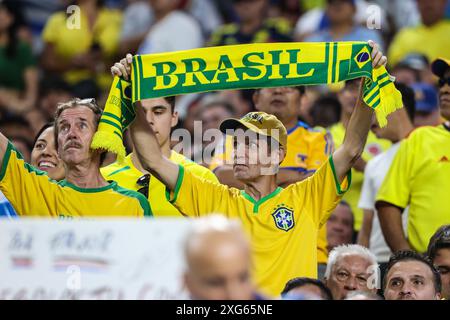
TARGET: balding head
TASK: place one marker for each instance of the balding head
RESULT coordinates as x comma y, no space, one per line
218,260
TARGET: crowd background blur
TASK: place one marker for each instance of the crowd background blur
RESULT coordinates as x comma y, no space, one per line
45,58
54,50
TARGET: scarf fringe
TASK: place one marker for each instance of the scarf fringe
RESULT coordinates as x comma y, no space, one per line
108,141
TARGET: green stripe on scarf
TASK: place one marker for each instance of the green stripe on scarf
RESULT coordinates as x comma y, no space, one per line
241,67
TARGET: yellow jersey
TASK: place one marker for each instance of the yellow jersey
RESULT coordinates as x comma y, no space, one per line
126,175
283,226
32,193
420,177
307,150
433,42
373,147
70,40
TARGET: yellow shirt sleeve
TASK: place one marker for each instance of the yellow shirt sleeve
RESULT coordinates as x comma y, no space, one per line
26,187
395,188
194,196
320,150
52,28
321,192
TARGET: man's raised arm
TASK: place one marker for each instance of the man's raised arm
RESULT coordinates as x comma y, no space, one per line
3,147
146,145
147,149
358,127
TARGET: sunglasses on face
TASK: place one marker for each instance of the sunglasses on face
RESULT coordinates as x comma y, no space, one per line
443,81
144,182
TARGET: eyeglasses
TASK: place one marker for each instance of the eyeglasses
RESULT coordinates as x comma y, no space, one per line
443,81
144,182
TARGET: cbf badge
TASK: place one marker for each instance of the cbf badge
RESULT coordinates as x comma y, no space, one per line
283,217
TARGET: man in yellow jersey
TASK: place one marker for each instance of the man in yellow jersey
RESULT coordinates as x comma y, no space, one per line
283,223
84,192
307,149
419,177
161,115
374,146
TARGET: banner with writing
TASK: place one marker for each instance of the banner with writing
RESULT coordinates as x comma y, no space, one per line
82,259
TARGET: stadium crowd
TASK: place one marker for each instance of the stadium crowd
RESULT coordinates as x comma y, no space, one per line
387,234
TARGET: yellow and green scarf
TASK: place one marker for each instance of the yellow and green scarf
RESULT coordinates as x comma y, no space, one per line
241,67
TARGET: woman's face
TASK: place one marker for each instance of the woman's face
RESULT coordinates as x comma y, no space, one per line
44,155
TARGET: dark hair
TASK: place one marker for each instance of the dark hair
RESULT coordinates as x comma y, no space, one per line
14,119
325,111
44,127
439,240
408,98
53,83
300,282
409,255
171,101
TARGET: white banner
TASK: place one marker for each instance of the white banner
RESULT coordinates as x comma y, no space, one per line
87,259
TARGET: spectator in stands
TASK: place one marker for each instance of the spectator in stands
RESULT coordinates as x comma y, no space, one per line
18,73
139,18
44,155
218,261
351,268
161,115
254,26
411,276
315,20
399,126
418,177
84,192
439,253
308,148
429,38
412,69
81,46
340,226
325,111
306,287
347,97
172,29
212,112
342,27
427,105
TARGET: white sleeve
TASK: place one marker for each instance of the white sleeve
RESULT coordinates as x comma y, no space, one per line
368,192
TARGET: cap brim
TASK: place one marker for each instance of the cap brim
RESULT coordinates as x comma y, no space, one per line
234,124
439,66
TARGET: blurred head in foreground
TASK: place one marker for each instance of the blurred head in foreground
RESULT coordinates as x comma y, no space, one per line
218,260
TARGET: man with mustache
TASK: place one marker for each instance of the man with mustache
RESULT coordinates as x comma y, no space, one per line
283,223
84,192
419,178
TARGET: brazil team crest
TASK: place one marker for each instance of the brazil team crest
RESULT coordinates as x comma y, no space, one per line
283,217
